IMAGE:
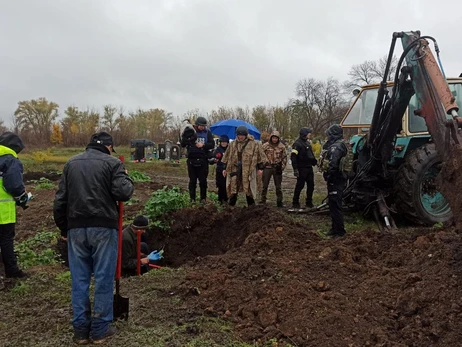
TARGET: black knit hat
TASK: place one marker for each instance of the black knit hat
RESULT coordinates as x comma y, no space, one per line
140,222
103,138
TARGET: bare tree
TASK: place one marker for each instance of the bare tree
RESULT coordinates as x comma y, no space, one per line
364,73
380,65
316,106
370,71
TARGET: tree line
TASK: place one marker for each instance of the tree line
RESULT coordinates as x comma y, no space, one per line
316,104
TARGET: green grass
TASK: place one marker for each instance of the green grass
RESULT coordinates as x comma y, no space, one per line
53,160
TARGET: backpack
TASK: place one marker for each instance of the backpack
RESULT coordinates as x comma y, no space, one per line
346,162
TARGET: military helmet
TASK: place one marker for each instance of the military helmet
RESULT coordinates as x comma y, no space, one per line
242,130
201,121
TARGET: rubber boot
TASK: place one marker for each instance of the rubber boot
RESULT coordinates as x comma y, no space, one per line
233,200
250,200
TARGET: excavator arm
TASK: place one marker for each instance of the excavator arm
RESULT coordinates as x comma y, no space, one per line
419,73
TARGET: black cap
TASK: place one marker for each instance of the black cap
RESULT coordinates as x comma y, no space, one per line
140,222
103,138
224,138
304,132
242,130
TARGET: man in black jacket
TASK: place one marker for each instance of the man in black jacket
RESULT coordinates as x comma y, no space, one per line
303,160
198,145
218,155
335,178
130,247
12,194
85,210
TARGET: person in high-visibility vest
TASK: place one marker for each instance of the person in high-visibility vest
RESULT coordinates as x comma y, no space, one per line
12,194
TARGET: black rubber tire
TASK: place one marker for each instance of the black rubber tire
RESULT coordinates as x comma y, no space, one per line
407,186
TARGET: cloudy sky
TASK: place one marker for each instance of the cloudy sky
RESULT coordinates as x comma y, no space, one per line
186,54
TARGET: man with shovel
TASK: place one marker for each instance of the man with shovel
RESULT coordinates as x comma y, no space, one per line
85,210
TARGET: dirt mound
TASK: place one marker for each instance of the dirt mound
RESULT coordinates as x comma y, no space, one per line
450,183
368,288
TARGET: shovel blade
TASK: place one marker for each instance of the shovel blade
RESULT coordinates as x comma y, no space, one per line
120,307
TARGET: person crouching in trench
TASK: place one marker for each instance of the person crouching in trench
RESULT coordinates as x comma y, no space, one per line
130,247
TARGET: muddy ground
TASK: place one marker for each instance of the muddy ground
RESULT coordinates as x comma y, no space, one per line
272,277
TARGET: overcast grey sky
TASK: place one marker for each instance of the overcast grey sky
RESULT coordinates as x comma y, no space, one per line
186,54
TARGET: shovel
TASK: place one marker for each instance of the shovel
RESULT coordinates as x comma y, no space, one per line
138,249
120,307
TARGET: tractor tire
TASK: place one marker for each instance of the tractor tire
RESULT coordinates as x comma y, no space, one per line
415,190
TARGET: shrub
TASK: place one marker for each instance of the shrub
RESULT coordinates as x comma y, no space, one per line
316,149
44,183
165,200
41,156
137,176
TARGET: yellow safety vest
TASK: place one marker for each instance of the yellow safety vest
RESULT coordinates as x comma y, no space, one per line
7,203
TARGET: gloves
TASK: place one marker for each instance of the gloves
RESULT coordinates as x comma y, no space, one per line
155,255
23,199
296,174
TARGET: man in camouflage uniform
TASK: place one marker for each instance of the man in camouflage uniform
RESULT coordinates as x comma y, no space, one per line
335,177
275,152
241,160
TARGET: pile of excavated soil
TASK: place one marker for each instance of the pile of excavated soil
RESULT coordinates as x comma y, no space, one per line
450,183
276,279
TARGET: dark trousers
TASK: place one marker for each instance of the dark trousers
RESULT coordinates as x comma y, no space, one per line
10,262
198,169
335,196
221,185
305,175
267,174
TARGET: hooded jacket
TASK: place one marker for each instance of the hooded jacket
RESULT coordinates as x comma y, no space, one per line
11,169
275,152
91,184
336,150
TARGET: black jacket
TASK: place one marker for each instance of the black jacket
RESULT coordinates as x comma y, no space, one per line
302,155
336,150
190,143
129,251
218,154
91,185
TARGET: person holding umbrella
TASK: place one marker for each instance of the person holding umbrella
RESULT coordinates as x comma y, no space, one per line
241,161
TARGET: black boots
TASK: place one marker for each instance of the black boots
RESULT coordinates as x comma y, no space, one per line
250,200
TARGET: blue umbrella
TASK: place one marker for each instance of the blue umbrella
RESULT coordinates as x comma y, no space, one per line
228,127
